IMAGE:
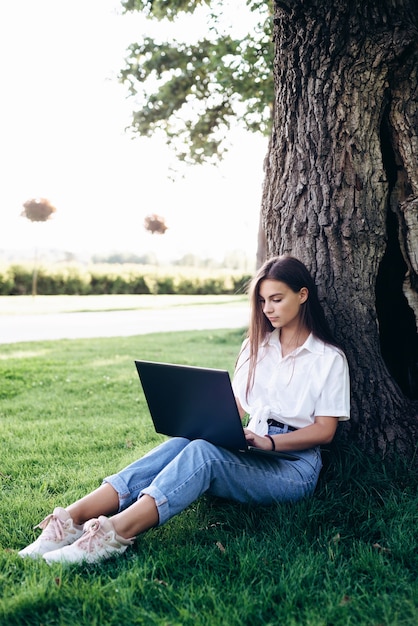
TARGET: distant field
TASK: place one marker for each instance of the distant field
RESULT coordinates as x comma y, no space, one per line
28,305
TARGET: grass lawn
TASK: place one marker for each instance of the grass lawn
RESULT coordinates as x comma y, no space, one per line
72,411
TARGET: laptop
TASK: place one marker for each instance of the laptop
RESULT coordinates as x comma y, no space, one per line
196,403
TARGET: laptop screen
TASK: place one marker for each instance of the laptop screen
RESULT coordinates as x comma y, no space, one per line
192,402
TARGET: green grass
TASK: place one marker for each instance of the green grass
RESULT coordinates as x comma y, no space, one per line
72,412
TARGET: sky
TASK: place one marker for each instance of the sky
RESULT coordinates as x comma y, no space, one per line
63,116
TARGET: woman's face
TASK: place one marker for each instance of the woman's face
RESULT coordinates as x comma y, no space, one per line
281,305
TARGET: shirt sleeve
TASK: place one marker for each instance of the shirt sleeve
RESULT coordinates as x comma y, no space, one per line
334,400
239,381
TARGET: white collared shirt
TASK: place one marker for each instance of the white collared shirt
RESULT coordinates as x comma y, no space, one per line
311,381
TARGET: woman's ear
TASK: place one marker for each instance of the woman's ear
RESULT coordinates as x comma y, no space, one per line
303,294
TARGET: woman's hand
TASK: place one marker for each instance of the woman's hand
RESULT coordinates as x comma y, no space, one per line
320,433
257,441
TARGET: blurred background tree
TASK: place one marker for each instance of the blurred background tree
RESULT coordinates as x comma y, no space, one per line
155,224
37,210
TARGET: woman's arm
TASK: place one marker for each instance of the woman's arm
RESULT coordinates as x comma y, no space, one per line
241,411
319,433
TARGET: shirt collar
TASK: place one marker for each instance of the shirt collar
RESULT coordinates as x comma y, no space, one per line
312,344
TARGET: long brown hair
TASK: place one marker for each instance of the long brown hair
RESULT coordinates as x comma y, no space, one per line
295,275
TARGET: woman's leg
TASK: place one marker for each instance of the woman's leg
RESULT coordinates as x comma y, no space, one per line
129,482
64,526
202,467
120,490
198,467
139,517
101,501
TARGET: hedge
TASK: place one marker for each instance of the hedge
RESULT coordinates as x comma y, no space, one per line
110,279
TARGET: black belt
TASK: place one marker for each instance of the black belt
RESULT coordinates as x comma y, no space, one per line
271,422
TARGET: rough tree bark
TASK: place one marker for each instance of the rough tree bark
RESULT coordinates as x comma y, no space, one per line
341,192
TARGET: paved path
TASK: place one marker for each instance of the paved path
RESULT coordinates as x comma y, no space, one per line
16,328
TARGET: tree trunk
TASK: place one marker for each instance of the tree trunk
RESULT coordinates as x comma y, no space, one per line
341,192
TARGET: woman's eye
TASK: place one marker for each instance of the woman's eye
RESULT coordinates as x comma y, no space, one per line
277,300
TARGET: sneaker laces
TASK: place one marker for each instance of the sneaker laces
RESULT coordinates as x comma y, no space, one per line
95,536
53,528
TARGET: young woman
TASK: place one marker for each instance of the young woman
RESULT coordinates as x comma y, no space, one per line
291,379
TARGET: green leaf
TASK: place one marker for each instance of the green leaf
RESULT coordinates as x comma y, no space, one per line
195,92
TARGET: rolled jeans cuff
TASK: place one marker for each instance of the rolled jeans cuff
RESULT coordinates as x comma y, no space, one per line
121,489
161,502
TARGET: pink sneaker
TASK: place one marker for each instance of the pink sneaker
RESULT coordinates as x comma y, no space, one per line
99,541
58,530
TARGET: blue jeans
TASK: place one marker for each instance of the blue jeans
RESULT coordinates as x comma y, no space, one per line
178,471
